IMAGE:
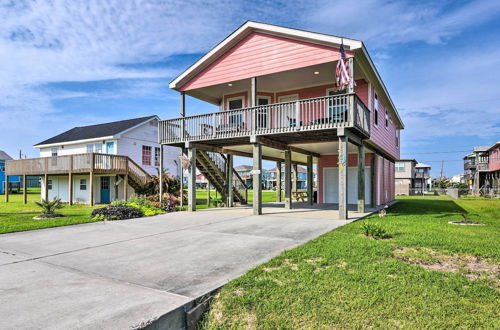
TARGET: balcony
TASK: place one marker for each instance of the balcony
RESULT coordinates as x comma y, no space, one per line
307,115
78,163
421,175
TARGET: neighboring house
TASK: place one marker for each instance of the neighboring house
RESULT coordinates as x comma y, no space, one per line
278,100
301,178
476,165
201,181
423,180
404,176
245,173
493,176
457,178
106,161
13,180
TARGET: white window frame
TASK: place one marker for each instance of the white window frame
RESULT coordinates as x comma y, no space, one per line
242,98
50,184
268,98
83,183
288,95
54,154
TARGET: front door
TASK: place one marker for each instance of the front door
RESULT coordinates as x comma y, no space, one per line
105,192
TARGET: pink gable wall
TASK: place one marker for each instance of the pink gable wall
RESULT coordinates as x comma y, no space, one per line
260,54
494,159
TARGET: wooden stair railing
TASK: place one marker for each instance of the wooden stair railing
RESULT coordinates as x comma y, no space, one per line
213,166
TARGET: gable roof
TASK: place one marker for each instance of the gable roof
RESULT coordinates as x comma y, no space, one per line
96,131
357,46
243,168
4,156
422,165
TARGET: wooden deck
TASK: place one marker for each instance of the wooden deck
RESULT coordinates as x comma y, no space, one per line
286,120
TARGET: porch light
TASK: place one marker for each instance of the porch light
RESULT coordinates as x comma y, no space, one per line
316,72
230,84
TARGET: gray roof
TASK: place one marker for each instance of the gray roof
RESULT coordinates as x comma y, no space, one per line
243,168
480,149
95,131
422,165
4,156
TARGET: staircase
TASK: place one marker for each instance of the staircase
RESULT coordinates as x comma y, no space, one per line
214,168
137,176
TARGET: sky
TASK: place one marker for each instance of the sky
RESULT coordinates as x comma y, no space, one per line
75,63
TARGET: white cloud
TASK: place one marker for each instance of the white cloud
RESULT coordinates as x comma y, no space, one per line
385,22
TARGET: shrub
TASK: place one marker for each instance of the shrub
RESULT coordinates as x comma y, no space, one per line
117,213
119,202
50,206
374,230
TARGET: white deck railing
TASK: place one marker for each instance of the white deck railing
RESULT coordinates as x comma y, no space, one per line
319,113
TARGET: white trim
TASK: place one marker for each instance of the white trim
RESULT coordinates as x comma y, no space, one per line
241,97
111,137
288,95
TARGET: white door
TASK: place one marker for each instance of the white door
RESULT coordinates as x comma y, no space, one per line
331,184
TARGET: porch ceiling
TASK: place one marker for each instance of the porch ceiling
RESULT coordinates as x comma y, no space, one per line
276,82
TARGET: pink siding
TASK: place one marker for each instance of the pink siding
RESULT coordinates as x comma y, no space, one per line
494,157
332,161
259,54
385,137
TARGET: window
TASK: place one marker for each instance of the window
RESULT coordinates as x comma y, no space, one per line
83,184
49,184
235,103
375,113
263,100
53,152
98,147
400,167
146,155
386,119
157,156
90,148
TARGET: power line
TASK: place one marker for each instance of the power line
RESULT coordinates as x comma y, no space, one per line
448,104
435,152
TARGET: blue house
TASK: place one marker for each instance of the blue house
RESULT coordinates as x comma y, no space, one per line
3,157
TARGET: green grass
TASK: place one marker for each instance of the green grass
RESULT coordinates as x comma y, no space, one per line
16,216
345,280
201,197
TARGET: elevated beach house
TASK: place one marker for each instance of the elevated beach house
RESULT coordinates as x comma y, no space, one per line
98,163
278,99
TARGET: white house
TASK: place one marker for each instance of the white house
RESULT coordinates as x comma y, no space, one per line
99,161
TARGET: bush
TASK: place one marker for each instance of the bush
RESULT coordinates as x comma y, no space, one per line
119,202
50,206
374,230
117,213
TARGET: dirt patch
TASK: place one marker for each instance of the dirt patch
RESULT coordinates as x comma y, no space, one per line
465,223
472,267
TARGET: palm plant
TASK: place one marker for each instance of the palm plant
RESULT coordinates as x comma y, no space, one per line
50,206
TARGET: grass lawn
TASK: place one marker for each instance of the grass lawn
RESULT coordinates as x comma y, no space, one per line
16,216
268,196
430,274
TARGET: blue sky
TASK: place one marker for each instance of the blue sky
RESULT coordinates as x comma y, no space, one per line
73,63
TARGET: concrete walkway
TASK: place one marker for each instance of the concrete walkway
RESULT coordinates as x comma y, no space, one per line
124,274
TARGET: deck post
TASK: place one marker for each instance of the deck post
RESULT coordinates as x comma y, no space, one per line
278,181
192,180
288,179
295,174
253,89
25,190
6,189
160,173
91,190
342,165
361,178
70,188
310,182
229,181
183,114
208,193
257,178
372,180
46,190
183,151
125,187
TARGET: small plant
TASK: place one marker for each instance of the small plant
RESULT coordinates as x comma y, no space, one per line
374,230
119,202
217,202
49,207
99,217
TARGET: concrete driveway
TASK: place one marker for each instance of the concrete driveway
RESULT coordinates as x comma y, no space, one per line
126,274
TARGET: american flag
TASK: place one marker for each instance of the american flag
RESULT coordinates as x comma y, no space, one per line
342,71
